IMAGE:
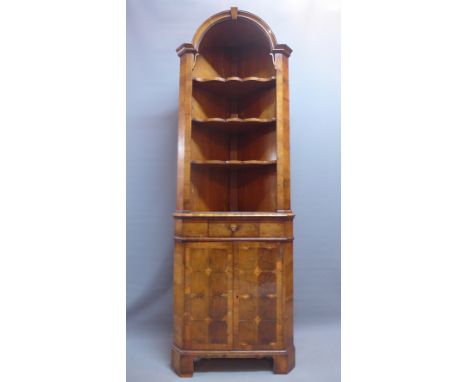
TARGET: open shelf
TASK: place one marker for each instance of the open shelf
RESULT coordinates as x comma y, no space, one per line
233,188
235,125
235,121
238,144
234,87
234,163
258,105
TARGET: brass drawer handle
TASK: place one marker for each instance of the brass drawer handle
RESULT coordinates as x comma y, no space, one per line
234,227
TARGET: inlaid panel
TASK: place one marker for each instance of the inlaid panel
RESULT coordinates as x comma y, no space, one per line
233,283
208,295
257,289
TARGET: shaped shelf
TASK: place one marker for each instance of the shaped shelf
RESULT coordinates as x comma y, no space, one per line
234,87
234,163
235,124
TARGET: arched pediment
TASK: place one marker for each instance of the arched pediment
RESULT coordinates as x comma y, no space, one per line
234,27
237,24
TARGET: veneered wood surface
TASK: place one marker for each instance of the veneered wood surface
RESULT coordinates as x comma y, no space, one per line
234,87
257,289
282,126
184,132
208,295
219,225
250,144
209,104
209,188
233,259
236,292
233,295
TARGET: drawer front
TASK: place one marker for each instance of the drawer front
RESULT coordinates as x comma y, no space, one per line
233,229
236,228
271,229
195,228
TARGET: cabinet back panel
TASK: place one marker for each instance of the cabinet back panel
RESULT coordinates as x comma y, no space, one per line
209,189
209,105
259,105
234,33
218,144
248,61
259,144
256,189
209,144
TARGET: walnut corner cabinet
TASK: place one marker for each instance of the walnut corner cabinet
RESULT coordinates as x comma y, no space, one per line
233,251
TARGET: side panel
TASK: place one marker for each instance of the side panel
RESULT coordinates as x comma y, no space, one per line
178,306
208,296
184,132
258,320
282,131
288,292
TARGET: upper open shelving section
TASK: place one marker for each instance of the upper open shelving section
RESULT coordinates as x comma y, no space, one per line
233,89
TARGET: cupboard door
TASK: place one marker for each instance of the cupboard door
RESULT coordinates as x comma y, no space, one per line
208,295
257,292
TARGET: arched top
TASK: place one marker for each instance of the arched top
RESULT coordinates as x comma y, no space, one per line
261,29
233,14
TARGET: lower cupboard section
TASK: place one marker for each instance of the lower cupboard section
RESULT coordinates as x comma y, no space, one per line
233,294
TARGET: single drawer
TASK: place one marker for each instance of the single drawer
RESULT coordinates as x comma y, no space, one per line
233,229
194,228
272,229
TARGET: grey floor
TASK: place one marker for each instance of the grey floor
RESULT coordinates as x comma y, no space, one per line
317,357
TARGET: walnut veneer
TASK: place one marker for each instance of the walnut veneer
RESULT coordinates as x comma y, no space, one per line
233,254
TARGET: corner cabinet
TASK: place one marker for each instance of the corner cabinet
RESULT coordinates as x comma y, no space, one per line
233,252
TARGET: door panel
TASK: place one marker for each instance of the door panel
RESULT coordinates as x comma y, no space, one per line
257,295
208,295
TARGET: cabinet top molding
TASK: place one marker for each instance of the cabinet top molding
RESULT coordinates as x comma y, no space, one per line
236,15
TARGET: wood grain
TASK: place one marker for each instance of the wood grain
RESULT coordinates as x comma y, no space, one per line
233,242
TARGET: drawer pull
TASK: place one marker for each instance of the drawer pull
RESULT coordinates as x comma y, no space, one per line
234,227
